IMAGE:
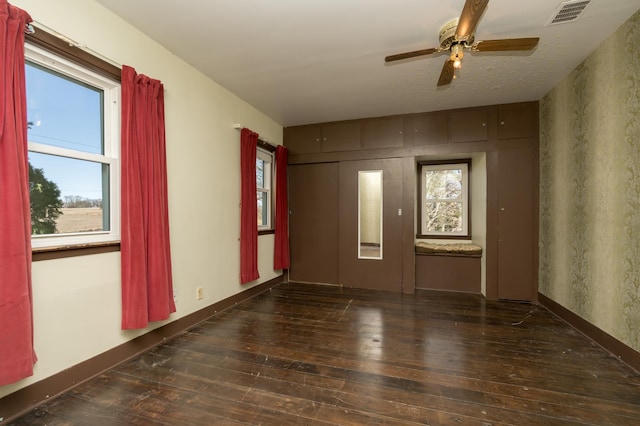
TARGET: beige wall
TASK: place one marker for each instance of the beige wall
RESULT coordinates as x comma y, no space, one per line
77,300
590,188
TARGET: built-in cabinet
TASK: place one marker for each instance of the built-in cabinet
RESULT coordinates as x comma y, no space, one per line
355,268
313,224
517,121
508,134
334,137
426,129
517,212
383,133
469,125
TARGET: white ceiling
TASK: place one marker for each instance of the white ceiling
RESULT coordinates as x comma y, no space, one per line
309,61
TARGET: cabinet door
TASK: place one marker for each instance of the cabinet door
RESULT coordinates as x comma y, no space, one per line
313,222
426,129
517,219
302,139
341,137
383,133
468,125
517,120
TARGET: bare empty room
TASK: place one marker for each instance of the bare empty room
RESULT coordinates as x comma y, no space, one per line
356,212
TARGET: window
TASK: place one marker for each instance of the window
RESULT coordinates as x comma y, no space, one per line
264,177
444,206
73,141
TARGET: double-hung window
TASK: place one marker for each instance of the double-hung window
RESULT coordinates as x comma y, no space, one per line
264,178
73,141
444,200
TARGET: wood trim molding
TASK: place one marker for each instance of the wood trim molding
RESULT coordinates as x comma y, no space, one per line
27,398
73,251
75,54
449,254
612,345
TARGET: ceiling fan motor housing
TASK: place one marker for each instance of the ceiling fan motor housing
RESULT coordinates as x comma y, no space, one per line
447,35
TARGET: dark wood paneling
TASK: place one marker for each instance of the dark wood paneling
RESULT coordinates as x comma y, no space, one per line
303,139
313,202
409,183
491,249
384,274
440,150
426,129
468,125
467,131
303,354
516,213
341,137
517,121
383,133
451,273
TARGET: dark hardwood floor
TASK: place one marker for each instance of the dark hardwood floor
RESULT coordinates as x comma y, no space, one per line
306,354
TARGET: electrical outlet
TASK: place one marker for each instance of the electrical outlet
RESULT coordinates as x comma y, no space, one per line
199,293
175,296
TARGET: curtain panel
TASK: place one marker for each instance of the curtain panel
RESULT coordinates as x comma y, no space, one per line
281,246
147,286
17,354
248,207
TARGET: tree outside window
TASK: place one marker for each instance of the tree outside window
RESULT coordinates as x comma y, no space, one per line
444,200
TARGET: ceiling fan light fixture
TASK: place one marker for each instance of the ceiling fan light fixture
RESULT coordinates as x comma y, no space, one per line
457,53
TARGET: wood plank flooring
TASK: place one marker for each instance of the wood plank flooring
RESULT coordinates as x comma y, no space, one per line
316,355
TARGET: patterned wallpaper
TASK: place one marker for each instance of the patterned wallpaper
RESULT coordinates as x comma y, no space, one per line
590,188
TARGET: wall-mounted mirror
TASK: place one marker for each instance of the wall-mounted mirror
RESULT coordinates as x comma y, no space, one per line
370,214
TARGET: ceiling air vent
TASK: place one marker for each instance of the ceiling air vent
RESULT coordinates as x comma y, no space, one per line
568,11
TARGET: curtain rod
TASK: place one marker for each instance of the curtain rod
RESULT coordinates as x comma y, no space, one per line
74,44
238,126
38,25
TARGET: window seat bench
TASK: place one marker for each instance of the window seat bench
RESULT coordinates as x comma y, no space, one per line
450,267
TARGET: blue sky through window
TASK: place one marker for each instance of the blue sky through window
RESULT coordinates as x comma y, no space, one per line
66,114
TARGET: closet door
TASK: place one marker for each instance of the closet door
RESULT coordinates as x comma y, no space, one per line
517,220
313,222
370,224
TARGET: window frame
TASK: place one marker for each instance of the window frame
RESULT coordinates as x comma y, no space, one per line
266,152
424,166
111,133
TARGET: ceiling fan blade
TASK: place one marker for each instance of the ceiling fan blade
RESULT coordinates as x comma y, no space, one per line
471,14
413,54
506,44
447,73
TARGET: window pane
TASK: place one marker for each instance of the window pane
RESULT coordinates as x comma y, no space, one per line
263,208
443,184
63,112
444,217
67,195
260,173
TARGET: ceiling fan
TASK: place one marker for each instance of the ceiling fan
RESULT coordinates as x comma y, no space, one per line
459,34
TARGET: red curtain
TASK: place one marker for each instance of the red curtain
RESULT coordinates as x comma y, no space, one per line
17,354
248,207
147,287
281,249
